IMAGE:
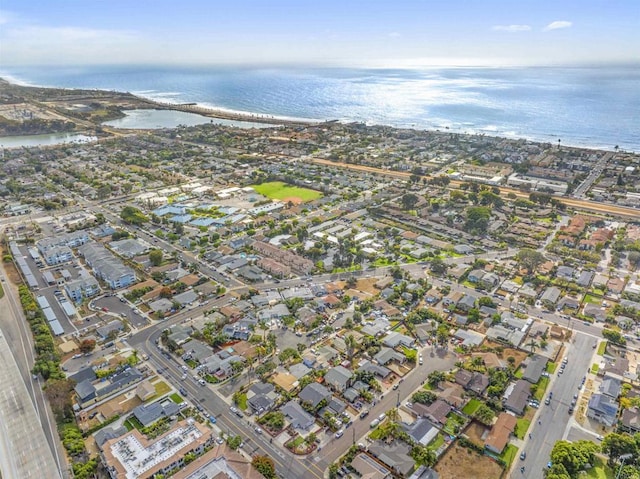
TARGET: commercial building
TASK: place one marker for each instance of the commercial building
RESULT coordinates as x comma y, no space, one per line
133,456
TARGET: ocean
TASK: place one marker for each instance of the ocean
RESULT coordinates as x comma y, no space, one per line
589,107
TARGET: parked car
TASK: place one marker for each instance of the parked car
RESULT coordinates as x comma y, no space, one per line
340,433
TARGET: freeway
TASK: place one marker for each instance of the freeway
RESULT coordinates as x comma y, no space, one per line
607,209
25,389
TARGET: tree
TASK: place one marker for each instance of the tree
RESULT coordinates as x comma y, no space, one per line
438,266
409,201
58,392
424,397
574,456
614,336
155,256
477,219
234,442
264,465
87,345
165,292
616,445
484,414
530,259
434,378
423,455
532,345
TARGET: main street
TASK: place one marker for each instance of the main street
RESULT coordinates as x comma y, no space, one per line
287,464
554,417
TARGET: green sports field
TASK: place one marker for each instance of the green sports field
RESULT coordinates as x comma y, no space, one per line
277,190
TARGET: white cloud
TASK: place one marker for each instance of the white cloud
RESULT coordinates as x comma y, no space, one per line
558,24
511,28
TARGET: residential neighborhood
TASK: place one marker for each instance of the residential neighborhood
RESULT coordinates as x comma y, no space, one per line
342,300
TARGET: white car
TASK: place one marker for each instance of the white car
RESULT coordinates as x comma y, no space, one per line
339,434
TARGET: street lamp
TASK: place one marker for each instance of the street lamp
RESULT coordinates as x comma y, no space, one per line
398,402
623,458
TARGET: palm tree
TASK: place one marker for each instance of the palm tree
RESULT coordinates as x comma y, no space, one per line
393,414
532,345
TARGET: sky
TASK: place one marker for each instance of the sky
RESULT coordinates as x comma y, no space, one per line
374,33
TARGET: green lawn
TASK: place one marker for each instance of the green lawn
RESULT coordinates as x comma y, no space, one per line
161,388
542,387
453,420
599,471
176,398
1,292
277,190
375,434
471,407
509,454
591,299
595,368
436,443
602,347
522,426
551,367
519,373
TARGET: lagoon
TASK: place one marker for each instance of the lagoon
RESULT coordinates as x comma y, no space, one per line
155,119
44,140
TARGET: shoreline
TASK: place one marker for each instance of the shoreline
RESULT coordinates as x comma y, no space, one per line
215,112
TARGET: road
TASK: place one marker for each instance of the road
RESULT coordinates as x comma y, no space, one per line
554,417
287,464
17,334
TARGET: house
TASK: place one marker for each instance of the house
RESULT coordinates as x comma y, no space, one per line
550,296
436,411
261,397
535,367
297,416
565,272
603,409
313,394
373,368
500,433
585,278
630,420
516,396
595,311
147,414
421,431
385,355
395,339
611,386
338,378
466,303
367,467
395,455
88,392
472,381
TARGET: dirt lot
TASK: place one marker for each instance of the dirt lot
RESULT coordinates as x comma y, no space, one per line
12,273
475,431
517,354
461,462
366,285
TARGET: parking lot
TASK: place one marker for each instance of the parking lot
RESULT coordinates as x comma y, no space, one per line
122,308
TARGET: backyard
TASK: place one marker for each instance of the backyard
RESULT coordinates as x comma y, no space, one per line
460,462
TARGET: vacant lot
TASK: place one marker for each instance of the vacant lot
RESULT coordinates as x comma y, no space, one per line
277,190
476,433
461,462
